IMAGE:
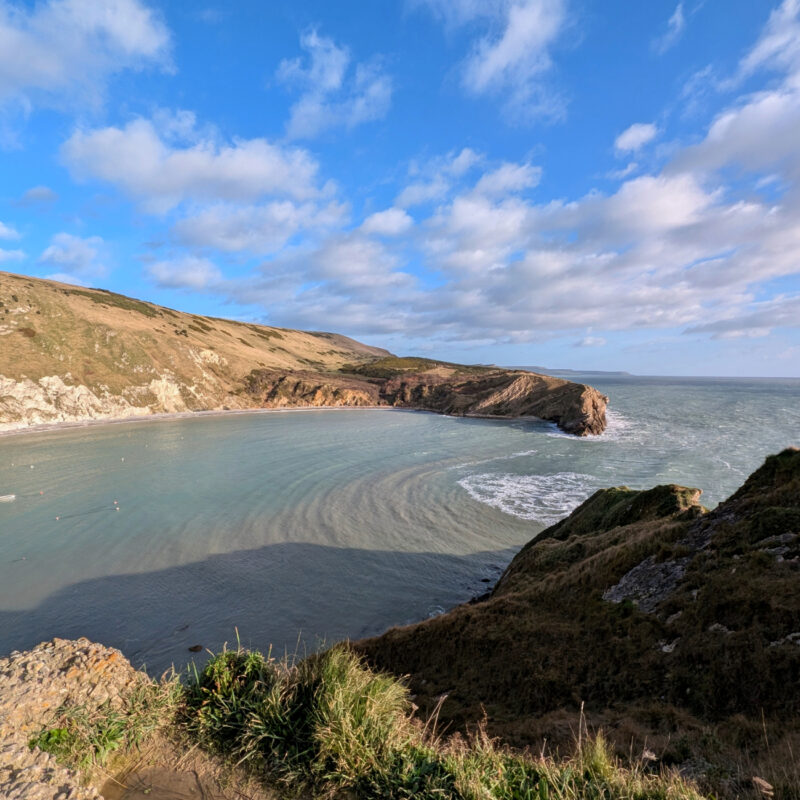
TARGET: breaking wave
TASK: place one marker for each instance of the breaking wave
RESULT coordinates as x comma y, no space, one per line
544,498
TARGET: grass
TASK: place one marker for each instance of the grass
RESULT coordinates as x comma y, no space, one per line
331,726
112,299
328,726
85,738
394,366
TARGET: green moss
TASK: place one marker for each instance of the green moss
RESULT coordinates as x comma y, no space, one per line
610,508
84,738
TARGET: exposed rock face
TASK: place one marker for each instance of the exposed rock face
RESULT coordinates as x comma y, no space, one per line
574,407
640,603
277,389
445,389
33,685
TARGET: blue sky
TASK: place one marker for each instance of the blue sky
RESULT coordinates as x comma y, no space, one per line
607,185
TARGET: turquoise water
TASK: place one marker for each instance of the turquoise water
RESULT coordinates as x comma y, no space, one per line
300,526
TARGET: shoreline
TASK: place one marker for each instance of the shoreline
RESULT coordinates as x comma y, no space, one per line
49,427
167,416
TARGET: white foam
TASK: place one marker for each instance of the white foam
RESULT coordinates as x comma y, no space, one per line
544,498
619,428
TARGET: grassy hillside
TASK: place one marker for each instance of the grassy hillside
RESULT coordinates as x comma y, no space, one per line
109,339
126,351
678,628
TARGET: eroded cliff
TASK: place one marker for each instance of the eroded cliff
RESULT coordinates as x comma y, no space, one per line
440,387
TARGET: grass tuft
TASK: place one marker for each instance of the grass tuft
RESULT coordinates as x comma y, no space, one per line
330,725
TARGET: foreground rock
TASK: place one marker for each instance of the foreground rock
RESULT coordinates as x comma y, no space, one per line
668,621
33,685
70,354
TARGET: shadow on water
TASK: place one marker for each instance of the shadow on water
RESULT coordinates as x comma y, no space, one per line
290,595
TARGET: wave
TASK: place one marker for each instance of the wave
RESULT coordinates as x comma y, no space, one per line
619,429
544,498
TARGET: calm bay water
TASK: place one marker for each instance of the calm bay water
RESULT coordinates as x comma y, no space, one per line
309,525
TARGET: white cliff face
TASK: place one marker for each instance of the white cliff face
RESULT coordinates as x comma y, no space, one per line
53,399
168,396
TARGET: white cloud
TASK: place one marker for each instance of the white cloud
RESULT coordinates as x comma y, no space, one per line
635,137
423,192
188,272
675,27
779,43
509,178
391,222
260,229
432,181
694,246
333,95
513,54
11,255
7,232
780,312
79,257
627,170
37,196
160,175
60,51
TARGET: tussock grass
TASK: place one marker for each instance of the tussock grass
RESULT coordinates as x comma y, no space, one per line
332,726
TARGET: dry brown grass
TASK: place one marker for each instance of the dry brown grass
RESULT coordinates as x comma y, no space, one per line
103,339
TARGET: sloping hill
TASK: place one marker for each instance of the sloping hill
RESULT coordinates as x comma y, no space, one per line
677,627
69,354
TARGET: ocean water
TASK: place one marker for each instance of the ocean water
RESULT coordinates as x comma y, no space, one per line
294,528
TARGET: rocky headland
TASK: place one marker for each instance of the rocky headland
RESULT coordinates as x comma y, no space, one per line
69,354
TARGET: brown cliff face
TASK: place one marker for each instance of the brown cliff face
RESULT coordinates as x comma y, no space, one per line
279,389
443,388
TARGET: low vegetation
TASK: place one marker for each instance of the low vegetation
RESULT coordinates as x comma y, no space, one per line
329,726
114,300
395,366
87,738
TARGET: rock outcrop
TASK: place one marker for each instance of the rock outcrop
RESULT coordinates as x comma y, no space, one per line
33,686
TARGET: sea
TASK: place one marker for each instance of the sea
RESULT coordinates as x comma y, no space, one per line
288,531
